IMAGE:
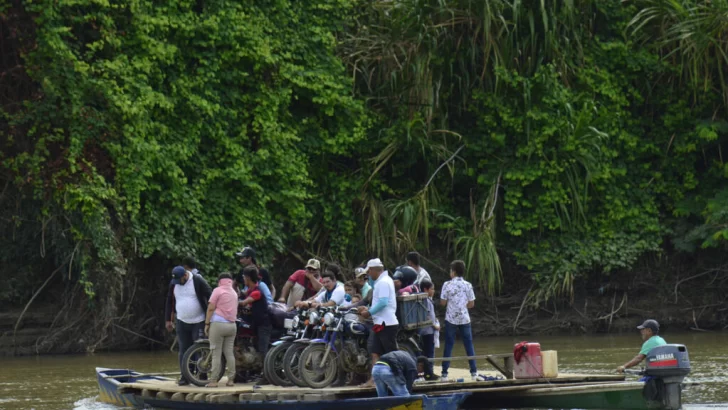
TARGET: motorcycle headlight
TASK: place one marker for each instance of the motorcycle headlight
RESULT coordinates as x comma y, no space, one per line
296,321
328,319
313,317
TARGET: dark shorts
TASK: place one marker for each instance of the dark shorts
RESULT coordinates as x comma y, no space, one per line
384,341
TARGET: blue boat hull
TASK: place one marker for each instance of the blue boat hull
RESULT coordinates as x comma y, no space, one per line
109,380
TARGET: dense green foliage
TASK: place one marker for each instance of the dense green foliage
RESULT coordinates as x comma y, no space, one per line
571,138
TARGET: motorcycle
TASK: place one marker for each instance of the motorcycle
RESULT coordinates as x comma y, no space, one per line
291,359
198,357
298,328
343,349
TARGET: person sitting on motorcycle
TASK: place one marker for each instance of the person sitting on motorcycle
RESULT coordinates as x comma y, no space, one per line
246,257
302,284
333,295
259,307
404,278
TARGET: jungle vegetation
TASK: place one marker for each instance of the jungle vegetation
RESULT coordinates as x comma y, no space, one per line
555,146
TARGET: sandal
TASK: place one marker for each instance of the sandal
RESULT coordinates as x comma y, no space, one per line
230,384
211,384
367,385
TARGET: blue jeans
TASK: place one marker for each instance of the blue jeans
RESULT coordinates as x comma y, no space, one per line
383,378
467,335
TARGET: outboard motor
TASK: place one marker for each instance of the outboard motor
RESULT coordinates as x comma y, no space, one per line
667,367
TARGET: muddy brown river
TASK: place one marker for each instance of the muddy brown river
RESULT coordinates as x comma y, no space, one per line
68,382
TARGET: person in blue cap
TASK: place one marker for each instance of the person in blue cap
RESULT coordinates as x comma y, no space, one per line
187,300
648,330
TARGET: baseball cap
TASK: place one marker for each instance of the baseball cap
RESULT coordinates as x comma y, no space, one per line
374,263
177,273
650,324
246,252
359,272
313,263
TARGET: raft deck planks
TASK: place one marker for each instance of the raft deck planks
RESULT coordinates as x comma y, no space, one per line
152,387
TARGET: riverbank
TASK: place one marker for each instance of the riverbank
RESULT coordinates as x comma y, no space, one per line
498,316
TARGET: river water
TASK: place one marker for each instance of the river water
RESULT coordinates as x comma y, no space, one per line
68,382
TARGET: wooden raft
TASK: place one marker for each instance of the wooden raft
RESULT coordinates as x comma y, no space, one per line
248,392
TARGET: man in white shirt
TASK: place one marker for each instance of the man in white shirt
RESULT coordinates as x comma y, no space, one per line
188,296
383,311
332,294
457,294
413,260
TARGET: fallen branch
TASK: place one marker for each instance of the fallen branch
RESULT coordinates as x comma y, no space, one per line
139,335
525,299
681,281
609,316
27,305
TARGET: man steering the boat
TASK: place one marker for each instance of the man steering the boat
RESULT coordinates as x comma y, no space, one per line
648,330
333,294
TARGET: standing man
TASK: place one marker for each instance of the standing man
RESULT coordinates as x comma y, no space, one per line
302,284
187,297
648,331
395,371
457,294
383,337
413,261
246,257
363,280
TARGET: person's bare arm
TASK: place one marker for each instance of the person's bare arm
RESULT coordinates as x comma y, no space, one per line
315,284
443,302
273,291
247,301
632,363
471,304
208,316
286,289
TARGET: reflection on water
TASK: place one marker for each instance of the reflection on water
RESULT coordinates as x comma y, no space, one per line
68,382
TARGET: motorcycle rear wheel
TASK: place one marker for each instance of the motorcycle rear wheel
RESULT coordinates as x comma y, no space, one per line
290,364
198,365
409,348
273,368
311,371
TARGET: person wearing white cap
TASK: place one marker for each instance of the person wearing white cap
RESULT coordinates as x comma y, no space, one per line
302,284
383,337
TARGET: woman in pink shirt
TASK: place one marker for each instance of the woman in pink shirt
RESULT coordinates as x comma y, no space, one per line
220,326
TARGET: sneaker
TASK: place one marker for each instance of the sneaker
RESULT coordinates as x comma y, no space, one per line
432,377
182,382
444,378
477,378
262,381
420,380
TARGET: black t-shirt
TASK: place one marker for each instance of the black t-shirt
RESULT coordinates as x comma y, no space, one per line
262,274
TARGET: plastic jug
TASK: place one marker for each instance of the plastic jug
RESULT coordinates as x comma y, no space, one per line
550,362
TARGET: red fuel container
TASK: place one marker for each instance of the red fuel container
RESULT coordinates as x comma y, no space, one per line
530,365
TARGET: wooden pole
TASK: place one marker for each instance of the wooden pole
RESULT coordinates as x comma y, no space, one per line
485,356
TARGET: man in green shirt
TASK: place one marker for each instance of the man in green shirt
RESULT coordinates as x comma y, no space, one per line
649,331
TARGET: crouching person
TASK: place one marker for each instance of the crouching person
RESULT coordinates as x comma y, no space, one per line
395,371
